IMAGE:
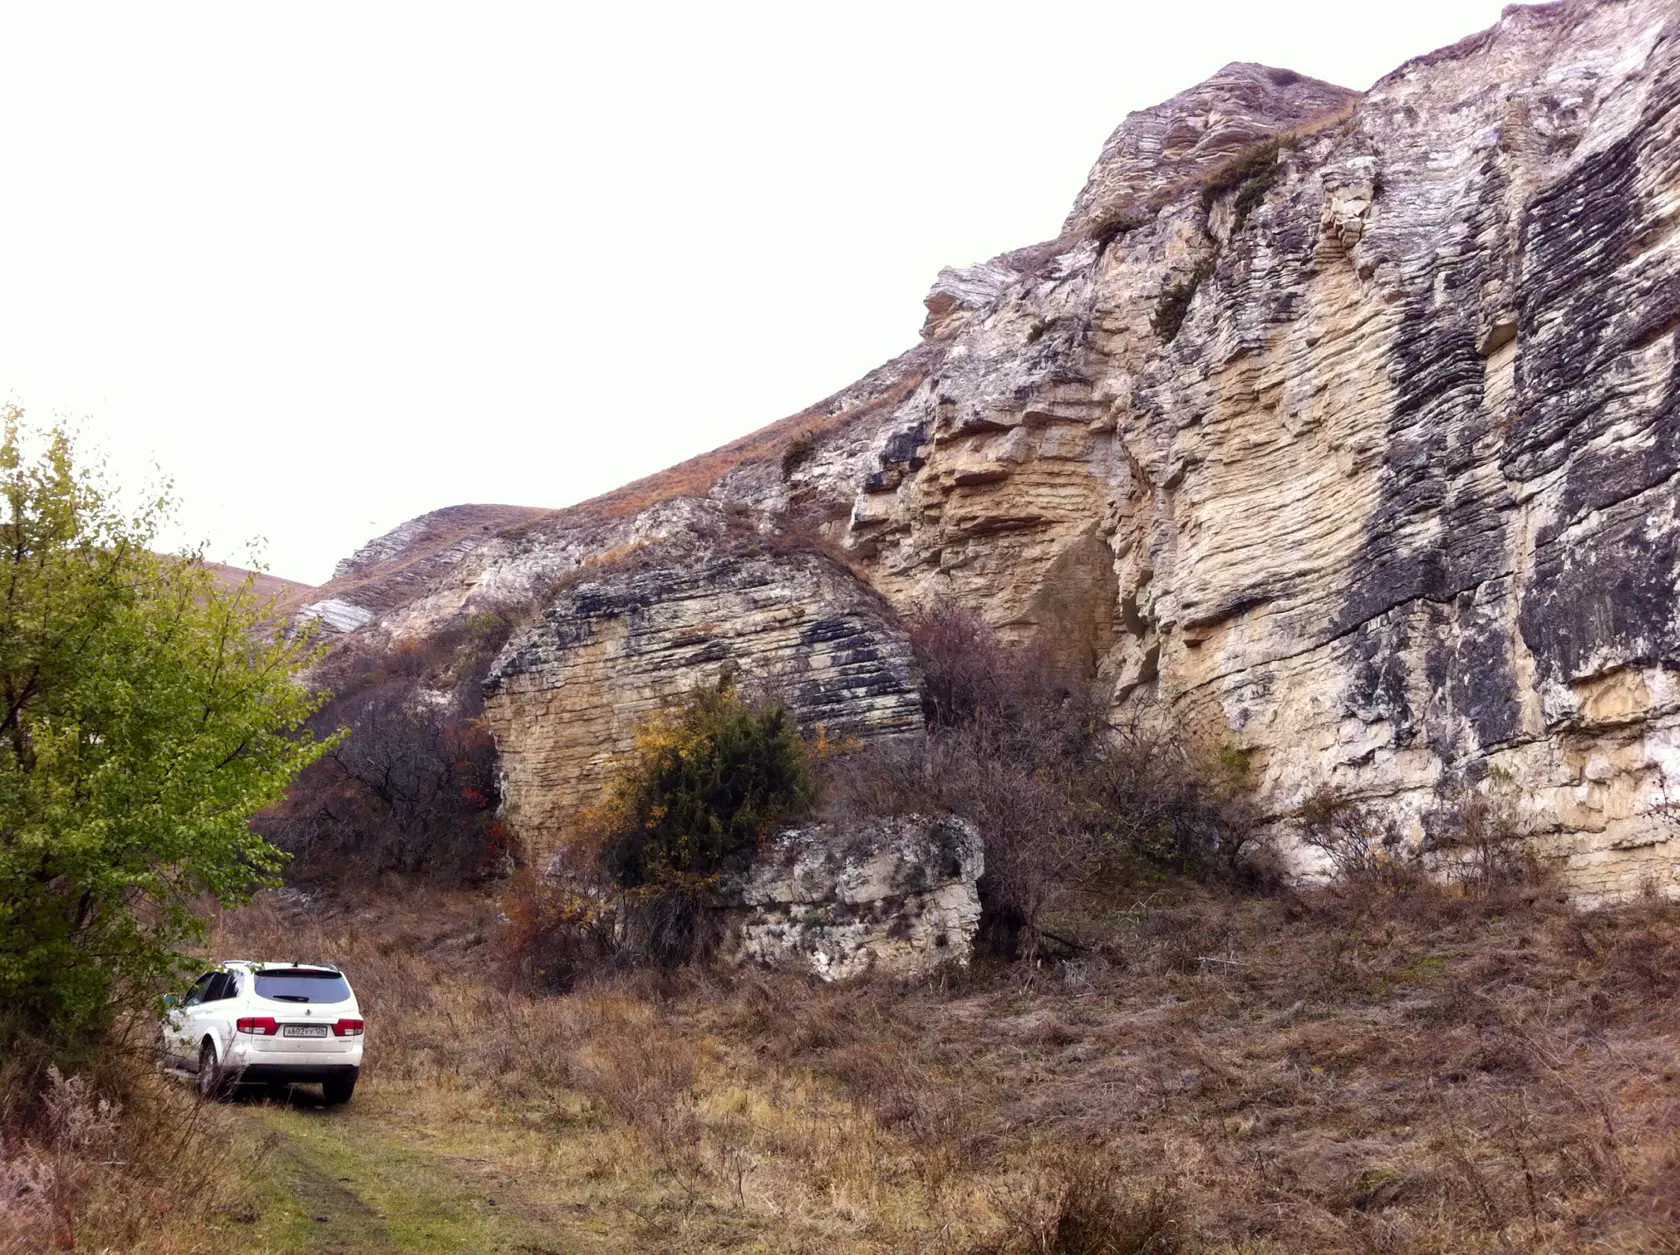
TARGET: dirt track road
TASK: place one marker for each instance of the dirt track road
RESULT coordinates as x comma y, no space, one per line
376,1176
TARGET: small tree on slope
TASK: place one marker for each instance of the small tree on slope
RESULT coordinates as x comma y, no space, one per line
146,713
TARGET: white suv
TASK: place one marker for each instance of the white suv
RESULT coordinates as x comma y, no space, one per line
279,1023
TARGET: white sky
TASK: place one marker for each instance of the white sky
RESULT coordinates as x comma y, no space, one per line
331,266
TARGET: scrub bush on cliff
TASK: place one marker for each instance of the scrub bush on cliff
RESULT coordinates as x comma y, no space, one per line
706,781
1062,799
149,712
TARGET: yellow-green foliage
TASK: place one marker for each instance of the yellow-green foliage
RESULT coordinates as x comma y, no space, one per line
705,781
148,713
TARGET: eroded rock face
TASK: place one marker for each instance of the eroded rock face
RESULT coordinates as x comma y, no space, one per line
567,694
1365,460
1396,504
1180,138
894,897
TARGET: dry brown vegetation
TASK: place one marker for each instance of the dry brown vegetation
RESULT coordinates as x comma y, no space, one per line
287,594
1025,750
389,582
384,583
1426,1055
412,785
116,1158
699,475
1398,1067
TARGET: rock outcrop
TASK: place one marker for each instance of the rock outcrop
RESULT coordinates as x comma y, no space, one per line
1156,149
568,692
1340,427
1361,452
895,897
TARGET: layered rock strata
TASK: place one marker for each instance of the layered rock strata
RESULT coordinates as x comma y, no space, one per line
1361,454
894,897
567,694
1341,428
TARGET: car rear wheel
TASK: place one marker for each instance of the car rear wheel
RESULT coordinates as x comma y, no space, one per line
337,1091
210,1082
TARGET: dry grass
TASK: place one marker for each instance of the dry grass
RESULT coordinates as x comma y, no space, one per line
150,1172
1318,1073
405,573
385,583
682,1140
699,475
1358,1070
288,593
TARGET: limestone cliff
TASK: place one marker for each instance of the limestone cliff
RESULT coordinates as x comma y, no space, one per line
567,693
897,897
1394,501
1343,426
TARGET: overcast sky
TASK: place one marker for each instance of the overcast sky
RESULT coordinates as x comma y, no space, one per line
331,266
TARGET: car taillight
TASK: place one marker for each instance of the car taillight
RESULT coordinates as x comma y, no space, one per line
347,1028
261,1025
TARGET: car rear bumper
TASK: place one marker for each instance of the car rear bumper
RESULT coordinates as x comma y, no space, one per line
294,1073
245,1052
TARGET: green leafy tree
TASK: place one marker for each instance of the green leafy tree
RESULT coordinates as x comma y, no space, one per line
147,711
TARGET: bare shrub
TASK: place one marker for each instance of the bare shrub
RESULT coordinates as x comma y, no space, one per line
1060,797
43,1181
30,1194
1356,841
969,676
557,933
1081,1206
1152,798
82,1168
413,786
1479,837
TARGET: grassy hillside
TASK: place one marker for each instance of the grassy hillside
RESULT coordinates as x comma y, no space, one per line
1376,1068
289,593
406,571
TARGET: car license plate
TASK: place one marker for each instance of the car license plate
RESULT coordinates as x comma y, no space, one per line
304,1030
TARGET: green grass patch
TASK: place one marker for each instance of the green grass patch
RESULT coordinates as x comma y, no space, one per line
338,1181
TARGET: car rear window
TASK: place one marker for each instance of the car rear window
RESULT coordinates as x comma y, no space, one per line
296,985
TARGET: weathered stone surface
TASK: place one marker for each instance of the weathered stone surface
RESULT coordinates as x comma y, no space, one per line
567,693
1185,136
1395,504
893,897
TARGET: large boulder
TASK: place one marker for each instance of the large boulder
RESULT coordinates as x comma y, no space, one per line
890,896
